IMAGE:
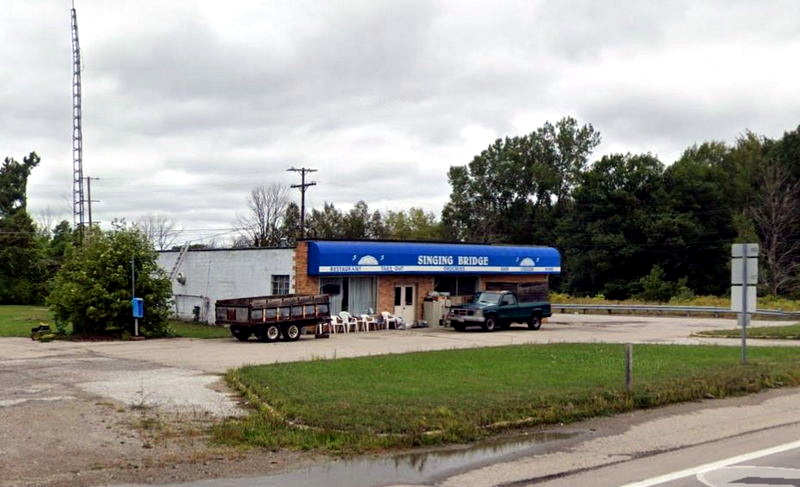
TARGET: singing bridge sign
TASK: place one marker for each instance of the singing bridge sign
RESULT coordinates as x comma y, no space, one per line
359,258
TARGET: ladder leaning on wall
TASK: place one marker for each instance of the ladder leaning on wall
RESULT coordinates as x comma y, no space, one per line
179,261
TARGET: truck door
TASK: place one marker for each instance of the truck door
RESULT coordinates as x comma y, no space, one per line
510,309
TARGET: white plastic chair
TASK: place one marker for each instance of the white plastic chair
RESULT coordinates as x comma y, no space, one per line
388,319
368,321
337,323
349,321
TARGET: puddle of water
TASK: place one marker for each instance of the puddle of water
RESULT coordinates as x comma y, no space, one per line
408,468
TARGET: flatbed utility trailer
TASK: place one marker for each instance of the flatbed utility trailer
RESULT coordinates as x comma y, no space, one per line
272,317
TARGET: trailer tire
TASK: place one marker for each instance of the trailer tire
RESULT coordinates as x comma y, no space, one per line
291,333
241,333
269,333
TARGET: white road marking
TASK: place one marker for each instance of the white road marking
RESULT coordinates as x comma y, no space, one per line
747,475
718,464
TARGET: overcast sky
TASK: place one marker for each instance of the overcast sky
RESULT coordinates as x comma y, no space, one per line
189,104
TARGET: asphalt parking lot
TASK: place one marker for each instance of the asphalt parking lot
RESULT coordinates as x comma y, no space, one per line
218,355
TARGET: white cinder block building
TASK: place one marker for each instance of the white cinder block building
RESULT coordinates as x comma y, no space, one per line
205,276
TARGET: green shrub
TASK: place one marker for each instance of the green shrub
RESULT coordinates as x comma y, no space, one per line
92,290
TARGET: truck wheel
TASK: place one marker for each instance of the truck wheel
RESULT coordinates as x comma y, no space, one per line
241,333
291,333
534,322
490,323
459,326
269,333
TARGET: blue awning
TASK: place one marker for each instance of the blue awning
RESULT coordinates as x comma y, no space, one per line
361,258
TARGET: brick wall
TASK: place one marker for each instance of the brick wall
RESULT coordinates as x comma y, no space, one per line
304,284
386,285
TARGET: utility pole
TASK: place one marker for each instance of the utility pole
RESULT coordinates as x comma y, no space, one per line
89,199
303,185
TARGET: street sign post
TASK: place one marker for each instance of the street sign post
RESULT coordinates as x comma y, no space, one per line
137,305
744,277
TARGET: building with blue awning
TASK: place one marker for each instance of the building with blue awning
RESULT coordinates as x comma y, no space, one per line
397,276
360,276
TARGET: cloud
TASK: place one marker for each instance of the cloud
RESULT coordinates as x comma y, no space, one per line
188,105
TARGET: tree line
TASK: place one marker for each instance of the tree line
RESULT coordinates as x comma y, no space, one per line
273,219
626,224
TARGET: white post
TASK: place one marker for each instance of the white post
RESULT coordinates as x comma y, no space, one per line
743,314
744,272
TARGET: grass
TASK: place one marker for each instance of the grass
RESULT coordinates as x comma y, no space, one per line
764,302
789,332
370,403
17,321
187,329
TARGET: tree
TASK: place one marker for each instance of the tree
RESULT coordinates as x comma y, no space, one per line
515,189
92,290
21,257
694,230
261,225
605,239
356,223
413,224
162,231
776,213
290,225
325,223
62,238
159,229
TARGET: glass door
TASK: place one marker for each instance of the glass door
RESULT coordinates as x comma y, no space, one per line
404,303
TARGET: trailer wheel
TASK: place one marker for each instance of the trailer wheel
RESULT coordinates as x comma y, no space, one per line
534,322
241,333
291,333
269,333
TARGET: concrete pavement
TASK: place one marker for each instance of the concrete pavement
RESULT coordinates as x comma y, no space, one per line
219,355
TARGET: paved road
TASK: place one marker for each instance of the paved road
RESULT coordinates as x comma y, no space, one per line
774,466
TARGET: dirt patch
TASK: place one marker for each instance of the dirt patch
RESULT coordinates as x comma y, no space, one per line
80,442
84,419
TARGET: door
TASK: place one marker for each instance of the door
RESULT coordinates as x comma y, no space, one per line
404,303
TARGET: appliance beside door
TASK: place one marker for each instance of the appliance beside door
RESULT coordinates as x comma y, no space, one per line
404,303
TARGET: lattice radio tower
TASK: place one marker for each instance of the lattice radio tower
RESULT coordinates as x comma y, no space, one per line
78,201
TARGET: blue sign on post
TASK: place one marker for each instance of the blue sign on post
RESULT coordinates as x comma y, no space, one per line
138,307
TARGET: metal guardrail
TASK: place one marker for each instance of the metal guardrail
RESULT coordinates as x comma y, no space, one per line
646,308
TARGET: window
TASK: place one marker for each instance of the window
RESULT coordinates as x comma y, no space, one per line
456,285
280,284
354,294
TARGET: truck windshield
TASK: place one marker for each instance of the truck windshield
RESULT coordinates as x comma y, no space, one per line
486,298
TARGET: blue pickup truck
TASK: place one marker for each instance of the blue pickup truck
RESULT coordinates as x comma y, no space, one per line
493,310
